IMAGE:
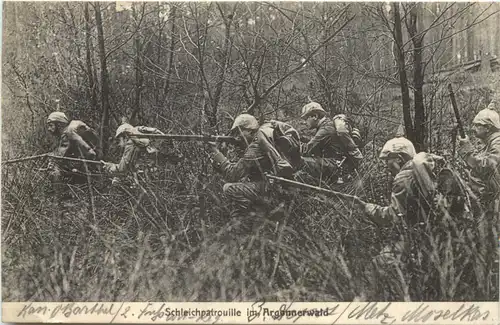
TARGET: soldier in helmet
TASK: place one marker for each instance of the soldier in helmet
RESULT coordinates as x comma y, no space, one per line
417,205
331,144
411,201
133,148
484,175
74,139
485,166
247,186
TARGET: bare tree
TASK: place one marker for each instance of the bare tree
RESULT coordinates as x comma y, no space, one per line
91,87
105,107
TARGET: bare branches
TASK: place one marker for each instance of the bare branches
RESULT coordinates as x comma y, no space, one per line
138,26
305,61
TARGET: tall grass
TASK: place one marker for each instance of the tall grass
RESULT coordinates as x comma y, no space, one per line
150,242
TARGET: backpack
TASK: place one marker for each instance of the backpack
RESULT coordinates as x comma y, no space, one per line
436,179
354,132
287,142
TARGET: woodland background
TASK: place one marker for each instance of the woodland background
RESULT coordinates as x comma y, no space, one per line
191,68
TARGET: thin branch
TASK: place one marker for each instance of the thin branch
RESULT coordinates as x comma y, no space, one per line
116,48
307,59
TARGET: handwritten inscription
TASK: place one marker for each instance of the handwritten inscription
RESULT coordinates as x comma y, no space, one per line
259,312
71,309
373,310
424,313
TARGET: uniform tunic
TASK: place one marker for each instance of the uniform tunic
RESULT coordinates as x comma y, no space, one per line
132,152
485,170
410,205
72,144
246,181
331,142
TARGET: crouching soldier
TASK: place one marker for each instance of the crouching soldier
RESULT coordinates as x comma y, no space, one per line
332,143
133,148
485,166
407,204
74,140
418,208
247,187
484,177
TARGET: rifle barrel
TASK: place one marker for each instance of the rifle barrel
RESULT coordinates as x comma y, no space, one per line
24,159
317,189
187,137
455,110
95,162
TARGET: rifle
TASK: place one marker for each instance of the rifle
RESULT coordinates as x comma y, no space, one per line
455,110
187,137
87,161
48,155
12,161
343,196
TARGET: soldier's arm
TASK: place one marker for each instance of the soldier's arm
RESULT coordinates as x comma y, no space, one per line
62,146
88,134
83,147
384,216
128,159
352,149
485,162
313,146
148,129
280,165
232,172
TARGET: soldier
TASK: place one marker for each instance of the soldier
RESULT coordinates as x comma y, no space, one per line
411,201
133,148
484,178
485,166
417,190
329,146
75,140
247,186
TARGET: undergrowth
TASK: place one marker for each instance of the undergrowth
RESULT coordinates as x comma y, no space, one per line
171,239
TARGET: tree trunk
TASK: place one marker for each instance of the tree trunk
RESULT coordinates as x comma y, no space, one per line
91,89
159,47
139,77
224,60
400,59
104,128
166,88
418,79
470,36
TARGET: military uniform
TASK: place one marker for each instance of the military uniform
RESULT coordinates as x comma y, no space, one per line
131,153
71,143
329,145
247,187
485,171
409,206
484,180
133,150
420,207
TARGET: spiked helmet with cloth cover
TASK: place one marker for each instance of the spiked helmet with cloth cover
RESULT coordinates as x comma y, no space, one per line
245,121
487,117
126,128
311,108
57,117
397,146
